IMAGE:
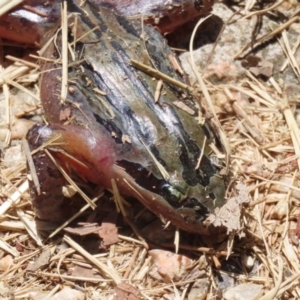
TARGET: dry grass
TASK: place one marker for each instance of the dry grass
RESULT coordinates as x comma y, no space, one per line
264,139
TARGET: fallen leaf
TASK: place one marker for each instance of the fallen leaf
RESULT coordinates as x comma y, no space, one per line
170,266
6,262
41,261
125,291
251,61
229,214
265,68
67,294
109,233
80,271
83,230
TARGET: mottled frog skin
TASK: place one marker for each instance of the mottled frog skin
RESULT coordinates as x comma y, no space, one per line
122,134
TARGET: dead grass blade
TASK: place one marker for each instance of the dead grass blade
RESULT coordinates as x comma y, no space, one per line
7,5
30,226
108,272
14,198
268,36
70,181
83,209
159,75
64,58
207,97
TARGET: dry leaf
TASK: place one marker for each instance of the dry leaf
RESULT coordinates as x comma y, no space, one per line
229,214
170,266
83,230
80,271
265,68
42,260
6,262
125,291
109,233
251,61
67,294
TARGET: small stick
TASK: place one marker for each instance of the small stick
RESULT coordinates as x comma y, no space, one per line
27,111
64,58
158,89
75,216
31,166
14,198
132,262
23,61
159,75
254,132
102,267
68,178
7,5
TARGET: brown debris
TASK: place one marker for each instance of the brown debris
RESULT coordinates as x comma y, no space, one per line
83,230
109,233
170,266
229,215
42,260
264,138
125,291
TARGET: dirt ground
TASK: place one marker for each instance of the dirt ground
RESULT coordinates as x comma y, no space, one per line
245,65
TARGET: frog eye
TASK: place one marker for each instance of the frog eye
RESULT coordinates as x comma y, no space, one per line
171,194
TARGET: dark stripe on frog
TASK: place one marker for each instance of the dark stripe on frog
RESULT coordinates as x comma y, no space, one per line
73,7
148,181
94,9
153,45
141,88
160,187
127,26
188,146
119,58
112,127
191,176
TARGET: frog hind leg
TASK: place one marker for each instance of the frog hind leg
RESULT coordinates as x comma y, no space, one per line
47,197
77,150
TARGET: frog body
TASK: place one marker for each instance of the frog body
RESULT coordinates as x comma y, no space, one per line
149,149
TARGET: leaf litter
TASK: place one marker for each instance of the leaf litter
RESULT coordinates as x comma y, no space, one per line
257,109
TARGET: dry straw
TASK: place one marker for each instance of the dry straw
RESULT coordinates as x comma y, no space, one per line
265,139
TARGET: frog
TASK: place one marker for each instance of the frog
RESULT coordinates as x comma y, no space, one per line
108,130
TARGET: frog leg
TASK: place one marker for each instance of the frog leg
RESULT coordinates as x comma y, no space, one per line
183,217
95,161
77,150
